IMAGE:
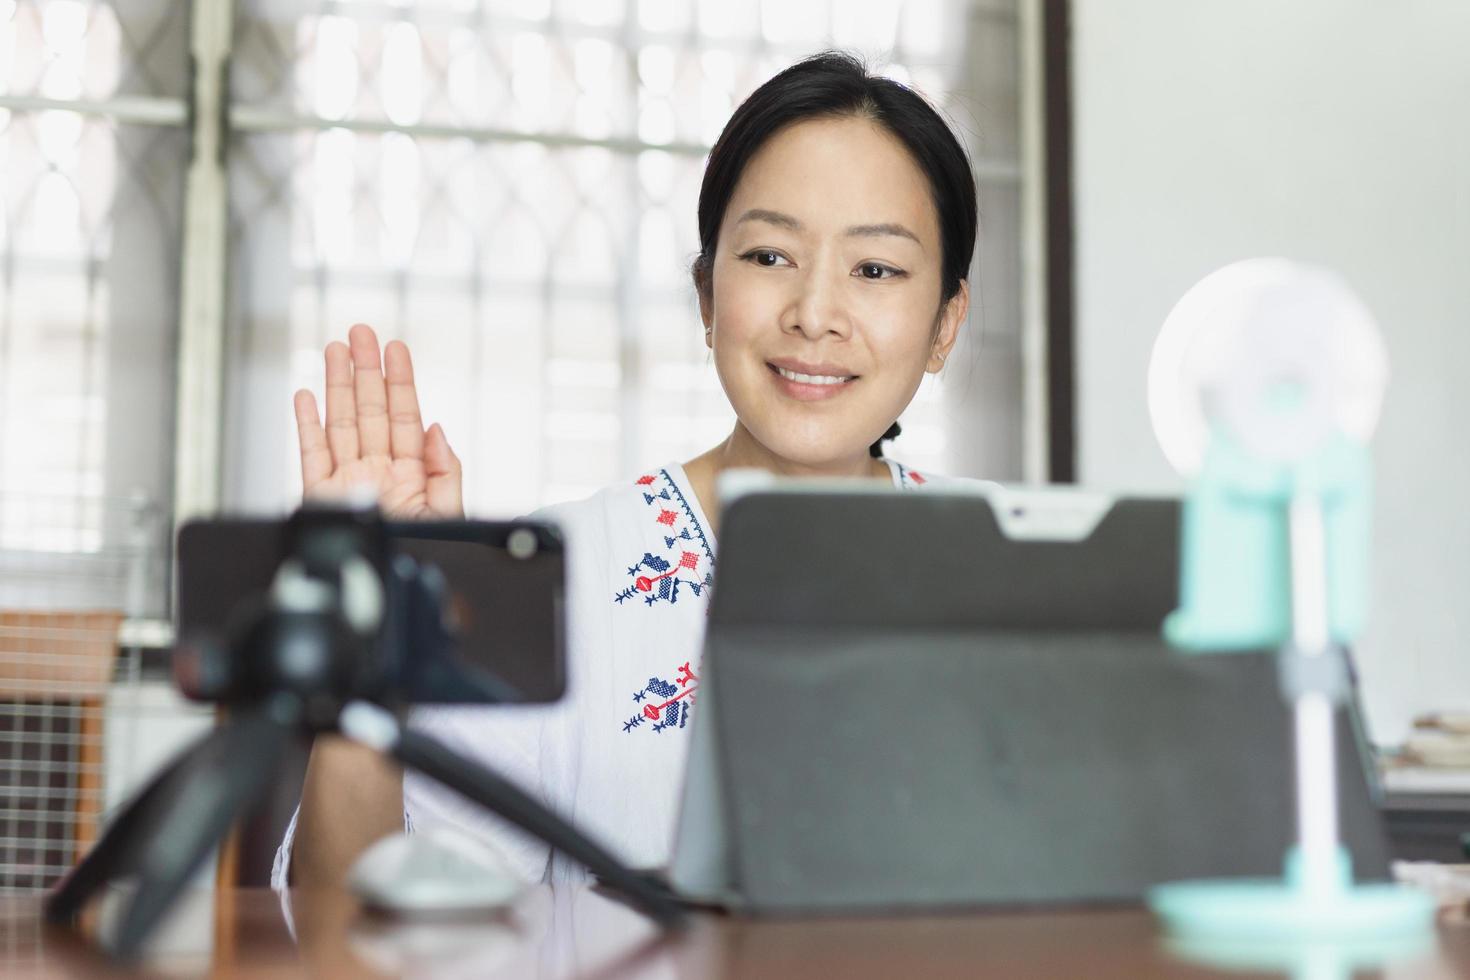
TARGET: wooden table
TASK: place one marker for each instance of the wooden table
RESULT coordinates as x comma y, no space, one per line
558,933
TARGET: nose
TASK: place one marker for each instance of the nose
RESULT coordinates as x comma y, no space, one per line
818,308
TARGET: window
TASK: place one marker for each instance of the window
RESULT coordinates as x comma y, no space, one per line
511,188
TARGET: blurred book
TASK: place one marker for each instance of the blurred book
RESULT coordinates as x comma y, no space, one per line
1435,758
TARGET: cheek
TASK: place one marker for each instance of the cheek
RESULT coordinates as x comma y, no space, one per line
743,307
899,335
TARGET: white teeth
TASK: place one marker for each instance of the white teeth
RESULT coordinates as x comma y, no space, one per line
811,379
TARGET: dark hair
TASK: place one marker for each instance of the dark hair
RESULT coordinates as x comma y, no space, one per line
834,83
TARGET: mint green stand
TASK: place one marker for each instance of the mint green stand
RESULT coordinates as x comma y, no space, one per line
1277,911
1235,566
1237,594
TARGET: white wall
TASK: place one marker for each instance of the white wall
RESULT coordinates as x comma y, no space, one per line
1334,131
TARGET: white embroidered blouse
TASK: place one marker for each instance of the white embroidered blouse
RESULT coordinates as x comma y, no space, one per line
610,755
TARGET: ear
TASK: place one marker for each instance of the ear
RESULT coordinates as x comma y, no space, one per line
705,292
950,319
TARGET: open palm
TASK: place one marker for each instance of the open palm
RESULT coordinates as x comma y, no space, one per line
374,436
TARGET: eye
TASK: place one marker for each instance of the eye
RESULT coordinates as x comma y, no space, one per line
876,270
766,258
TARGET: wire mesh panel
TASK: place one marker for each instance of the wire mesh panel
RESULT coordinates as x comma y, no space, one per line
61,610
511,189
54,672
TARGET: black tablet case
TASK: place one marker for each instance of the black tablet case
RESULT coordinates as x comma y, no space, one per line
913,710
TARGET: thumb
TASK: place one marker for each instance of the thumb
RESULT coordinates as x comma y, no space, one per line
439,459
444,475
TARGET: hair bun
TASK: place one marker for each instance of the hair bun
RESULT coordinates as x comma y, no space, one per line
876,449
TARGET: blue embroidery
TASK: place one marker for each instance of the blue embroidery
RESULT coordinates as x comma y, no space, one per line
694,521
662,578
673,716
668,703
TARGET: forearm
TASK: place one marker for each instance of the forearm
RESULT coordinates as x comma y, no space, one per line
352,796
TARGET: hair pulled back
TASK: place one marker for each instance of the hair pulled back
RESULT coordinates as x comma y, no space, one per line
835,83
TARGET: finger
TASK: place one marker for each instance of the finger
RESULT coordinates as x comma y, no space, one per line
372,395
341,405
316,458
405,424
445,479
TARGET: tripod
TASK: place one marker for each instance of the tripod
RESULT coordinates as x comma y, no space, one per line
298,669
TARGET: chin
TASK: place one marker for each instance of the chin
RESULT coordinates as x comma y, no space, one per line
814,448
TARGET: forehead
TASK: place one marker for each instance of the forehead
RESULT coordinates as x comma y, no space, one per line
835,173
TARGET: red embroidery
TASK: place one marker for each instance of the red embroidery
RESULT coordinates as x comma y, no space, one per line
652,580
645,584
651,711
668,706
685,678
916,477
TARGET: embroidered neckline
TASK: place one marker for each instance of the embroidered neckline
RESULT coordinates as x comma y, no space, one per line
664,703
693,518
660,578
909,479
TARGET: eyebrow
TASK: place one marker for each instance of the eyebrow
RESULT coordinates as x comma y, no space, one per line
782,220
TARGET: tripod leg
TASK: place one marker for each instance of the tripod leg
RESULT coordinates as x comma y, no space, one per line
230,775
116,851
504,798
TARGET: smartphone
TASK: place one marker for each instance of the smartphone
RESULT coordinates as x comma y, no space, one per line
506,585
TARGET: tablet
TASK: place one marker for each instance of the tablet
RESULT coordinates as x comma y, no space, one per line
961,697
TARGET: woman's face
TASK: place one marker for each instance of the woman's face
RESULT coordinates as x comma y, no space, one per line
824,312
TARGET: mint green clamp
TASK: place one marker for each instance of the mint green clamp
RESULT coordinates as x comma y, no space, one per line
1275,553
1235,567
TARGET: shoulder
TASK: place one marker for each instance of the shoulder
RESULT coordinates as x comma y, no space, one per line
630,503
646,533
907,478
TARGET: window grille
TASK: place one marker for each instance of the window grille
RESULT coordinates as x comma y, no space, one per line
511,189
93,151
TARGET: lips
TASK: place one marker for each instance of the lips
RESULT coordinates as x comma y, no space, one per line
813,379
812,372
806,381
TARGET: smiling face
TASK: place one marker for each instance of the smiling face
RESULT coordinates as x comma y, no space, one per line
824,311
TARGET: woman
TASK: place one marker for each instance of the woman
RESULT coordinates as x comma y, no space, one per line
837,220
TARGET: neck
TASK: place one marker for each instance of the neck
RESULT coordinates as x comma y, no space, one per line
742,451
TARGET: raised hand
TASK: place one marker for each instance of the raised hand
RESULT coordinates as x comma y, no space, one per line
374,434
